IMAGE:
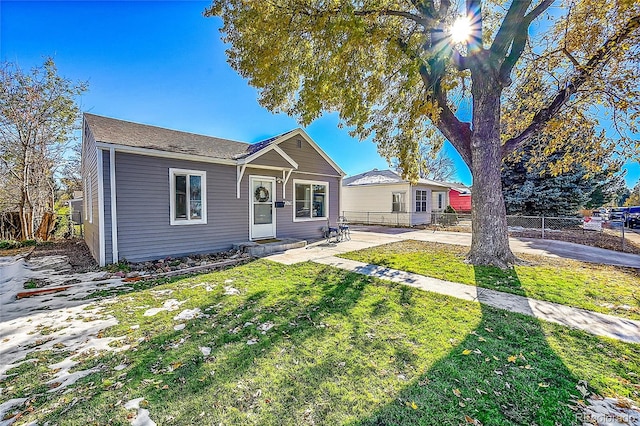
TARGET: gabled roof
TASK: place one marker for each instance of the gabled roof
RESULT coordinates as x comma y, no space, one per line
385,177
461,189
141,136
120,132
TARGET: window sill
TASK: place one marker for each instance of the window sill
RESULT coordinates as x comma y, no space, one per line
307,219
188,222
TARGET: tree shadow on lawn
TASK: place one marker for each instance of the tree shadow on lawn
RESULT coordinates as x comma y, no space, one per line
344,349
503,372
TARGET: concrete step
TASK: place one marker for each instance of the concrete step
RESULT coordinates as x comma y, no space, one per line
257,249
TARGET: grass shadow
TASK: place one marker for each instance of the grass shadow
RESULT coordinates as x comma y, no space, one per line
503,372
310,344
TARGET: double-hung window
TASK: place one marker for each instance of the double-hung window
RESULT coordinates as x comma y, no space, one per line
188,192
311,200
421,200
397,202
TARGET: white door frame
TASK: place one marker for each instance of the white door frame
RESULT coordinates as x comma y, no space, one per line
271,179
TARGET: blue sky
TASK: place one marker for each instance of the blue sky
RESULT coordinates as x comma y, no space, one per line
163,63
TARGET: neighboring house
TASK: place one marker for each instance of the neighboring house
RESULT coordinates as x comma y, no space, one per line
382,196
152,192
460,198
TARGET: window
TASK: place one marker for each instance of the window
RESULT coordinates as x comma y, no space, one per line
310,200
397,202
421,201
188,204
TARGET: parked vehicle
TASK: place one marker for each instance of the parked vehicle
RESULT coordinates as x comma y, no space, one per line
633,217
618,214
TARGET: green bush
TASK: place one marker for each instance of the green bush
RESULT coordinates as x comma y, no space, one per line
449,216
12,244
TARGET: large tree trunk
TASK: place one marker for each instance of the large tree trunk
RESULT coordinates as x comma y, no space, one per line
490,241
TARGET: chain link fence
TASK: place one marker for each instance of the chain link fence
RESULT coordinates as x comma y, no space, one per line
590,231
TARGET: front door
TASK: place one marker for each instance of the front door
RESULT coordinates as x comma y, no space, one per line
261,209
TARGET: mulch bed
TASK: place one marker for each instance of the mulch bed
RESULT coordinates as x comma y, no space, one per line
76,250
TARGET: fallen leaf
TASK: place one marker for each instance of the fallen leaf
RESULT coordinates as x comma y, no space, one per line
457,392
512,358
467,352
543,385
477,351
481,339
496,358
490,330
462,404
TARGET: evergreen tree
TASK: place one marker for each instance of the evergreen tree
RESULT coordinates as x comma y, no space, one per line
539,185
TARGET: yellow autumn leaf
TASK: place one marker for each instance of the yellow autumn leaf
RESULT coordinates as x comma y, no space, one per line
457,392
543,385
512,358
467,352
413,405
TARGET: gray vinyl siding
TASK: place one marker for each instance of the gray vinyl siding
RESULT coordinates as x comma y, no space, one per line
286,227
272,158
90,178
143,209
309,160
106,178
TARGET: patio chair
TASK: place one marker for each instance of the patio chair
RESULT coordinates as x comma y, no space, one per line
343,226
331,231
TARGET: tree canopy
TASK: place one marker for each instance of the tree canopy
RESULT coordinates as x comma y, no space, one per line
38,112
393,71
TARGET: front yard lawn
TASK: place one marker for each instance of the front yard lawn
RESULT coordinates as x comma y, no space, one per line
270,344
600,288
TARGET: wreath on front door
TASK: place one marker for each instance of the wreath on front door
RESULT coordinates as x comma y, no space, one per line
261,194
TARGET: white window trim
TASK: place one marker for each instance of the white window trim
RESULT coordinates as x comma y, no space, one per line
310,182
424,200
172,197
403,196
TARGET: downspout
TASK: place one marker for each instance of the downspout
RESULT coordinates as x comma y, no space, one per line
100,172
114,218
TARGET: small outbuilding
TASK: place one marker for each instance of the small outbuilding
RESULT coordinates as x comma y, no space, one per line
151,192
460,198
382,196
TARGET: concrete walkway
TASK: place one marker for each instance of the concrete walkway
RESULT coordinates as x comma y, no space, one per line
592,322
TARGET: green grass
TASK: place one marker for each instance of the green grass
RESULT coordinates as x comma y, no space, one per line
344,349
601,288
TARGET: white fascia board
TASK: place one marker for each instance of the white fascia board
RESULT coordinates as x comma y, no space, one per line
165,154
305,136
271,147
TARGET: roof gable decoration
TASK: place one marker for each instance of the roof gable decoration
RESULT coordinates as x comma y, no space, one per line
262,151
300,132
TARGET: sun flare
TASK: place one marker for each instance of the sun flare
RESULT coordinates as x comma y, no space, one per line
461,30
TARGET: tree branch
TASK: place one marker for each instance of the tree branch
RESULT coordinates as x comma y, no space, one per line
425,7
600,57
520,38
511,25
458,133
425,22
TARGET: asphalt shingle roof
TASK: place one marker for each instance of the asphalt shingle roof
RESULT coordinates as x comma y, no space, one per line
120,132
378,177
